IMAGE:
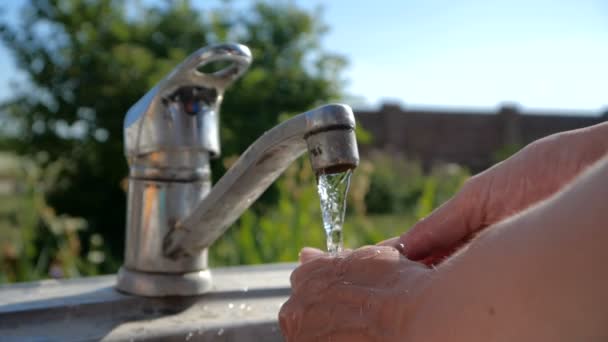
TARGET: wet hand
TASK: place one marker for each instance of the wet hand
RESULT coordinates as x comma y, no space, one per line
364,295
533,174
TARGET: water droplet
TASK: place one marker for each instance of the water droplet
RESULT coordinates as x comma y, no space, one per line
230,306
245,289
220,332
242,306
189,336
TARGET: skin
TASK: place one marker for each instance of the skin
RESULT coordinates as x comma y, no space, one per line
537,275
357,296
535,173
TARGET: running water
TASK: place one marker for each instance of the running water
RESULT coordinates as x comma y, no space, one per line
332,190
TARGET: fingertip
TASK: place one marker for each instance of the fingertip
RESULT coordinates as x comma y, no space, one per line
395,242
416,242
441,229
392,242
309,253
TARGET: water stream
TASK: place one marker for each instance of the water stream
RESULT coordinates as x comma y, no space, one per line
332,190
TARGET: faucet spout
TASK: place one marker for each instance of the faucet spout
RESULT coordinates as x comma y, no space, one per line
326,132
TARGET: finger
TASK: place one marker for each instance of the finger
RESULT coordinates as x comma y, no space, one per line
298,323
318,273
361,266
323,270
321,321
449,224
323,264
309,253
350,336
367,252
369,267
394,242
349,309
439,255
289,317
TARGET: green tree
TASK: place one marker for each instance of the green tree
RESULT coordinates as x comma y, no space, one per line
88,61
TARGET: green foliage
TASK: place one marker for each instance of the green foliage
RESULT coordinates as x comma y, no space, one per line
36,242
505,152
278,233
88,61
395,184
438,186
399,185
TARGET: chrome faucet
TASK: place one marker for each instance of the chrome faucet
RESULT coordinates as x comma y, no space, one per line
173,214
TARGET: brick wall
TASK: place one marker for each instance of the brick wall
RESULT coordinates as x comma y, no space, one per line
465,137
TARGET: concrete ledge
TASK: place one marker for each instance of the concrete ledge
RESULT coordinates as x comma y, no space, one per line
243,306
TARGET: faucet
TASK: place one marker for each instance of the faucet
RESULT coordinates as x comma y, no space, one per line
171,133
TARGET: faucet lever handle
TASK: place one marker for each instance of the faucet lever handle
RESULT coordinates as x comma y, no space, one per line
181,113
188,72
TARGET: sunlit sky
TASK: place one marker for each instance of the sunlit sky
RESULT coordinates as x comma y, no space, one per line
475,53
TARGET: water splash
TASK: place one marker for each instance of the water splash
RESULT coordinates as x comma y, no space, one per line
332,190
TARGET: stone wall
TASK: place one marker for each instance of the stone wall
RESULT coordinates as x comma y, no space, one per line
469,138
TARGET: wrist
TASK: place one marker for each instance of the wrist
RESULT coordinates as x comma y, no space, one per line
517,280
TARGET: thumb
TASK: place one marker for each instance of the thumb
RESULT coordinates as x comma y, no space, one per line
444,229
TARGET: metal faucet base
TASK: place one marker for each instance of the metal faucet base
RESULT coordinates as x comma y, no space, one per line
164,284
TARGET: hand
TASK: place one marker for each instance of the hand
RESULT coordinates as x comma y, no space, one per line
364,295
535,173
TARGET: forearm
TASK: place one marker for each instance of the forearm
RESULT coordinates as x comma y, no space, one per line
539,276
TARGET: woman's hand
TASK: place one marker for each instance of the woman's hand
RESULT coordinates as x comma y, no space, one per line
535,173
537,276
364,295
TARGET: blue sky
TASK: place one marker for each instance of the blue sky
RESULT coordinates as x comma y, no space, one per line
473,53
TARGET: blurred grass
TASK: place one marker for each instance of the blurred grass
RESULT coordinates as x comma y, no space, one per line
387,196
36,242
278,233
361,230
